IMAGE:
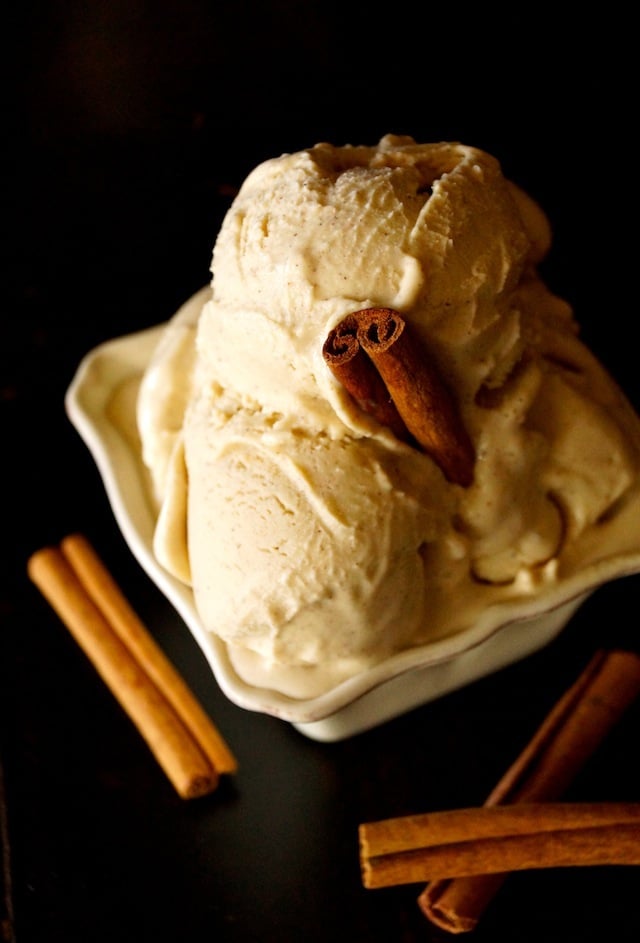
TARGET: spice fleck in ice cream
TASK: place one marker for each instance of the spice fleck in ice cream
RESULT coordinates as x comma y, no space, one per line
327,517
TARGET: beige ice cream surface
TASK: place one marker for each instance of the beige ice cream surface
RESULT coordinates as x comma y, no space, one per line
317,543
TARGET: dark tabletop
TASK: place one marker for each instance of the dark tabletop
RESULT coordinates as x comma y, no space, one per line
129,127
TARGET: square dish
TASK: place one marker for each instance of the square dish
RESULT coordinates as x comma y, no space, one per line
100,403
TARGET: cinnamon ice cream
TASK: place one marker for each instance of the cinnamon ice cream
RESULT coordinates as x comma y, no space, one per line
317,538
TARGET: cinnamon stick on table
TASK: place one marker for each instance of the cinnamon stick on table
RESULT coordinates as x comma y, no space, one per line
488,839
183,739
568,736
404,385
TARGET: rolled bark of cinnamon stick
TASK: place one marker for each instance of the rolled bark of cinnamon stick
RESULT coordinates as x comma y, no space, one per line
106,594
353,369
486,840
174,744
568,736
422,399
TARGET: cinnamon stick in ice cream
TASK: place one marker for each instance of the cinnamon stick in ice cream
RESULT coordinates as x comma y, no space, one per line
422,399
405,376
353,369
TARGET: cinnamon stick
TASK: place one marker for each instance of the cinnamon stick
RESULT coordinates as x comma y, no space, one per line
109,598
568,736
465,842
133,668
404,391
421,397
353,369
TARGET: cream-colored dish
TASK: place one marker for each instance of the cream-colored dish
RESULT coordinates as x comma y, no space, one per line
100,403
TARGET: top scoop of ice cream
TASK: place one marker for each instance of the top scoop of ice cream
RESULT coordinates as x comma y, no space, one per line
316,542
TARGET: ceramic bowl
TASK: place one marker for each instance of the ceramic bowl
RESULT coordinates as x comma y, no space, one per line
100,403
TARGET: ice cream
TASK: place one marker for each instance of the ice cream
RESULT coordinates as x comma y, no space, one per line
316,539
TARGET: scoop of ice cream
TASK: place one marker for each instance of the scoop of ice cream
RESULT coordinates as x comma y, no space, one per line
314,539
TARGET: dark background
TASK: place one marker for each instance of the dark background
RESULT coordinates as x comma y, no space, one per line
127,128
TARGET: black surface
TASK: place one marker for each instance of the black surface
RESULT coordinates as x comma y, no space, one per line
128,126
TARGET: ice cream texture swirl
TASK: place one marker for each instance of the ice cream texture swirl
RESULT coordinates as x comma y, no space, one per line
315,541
